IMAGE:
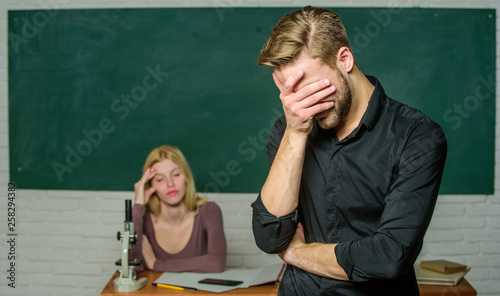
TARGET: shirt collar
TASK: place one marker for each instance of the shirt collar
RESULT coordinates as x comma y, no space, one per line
375,104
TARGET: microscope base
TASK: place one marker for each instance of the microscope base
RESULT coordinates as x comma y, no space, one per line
128,284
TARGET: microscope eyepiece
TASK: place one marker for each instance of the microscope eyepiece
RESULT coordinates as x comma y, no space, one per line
128,210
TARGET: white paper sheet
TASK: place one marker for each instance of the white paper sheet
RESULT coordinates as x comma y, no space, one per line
250,277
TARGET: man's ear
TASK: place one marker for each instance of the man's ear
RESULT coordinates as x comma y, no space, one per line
345,59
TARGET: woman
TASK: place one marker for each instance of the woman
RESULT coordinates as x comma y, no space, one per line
177,230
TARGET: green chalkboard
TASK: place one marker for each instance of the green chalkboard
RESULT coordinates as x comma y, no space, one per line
92,91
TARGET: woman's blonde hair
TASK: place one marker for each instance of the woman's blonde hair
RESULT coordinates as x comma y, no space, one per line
315,31
191,199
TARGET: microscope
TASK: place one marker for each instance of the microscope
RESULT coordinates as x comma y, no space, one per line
126,281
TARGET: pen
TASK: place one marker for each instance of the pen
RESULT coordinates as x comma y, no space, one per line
178,288
169,287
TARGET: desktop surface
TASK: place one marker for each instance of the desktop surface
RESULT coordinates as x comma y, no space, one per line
149,289
463,288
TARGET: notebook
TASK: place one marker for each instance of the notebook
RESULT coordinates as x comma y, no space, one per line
426,276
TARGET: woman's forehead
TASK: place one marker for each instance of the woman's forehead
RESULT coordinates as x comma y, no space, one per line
165,166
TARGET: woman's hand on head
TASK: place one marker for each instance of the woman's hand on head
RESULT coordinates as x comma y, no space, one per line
141,194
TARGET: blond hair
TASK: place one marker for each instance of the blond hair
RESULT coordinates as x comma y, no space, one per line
315,31
191,200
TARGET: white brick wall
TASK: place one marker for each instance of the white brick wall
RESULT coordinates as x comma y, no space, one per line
67,239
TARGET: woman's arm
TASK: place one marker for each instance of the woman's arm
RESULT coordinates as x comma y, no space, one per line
138,213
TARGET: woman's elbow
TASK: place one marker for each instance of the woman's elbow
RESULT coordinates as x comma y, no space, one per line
220,265
217,264
219,268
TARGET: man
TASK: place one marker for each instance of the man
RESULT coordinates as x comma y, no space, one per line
354,175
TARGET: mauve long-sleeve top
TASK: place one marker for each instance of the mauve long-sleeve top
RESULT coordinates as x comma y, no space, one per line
204,252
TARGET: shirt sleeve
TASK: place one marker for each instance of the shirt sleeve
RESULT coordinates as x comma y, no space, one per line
215,259
273,234
393,248
138,213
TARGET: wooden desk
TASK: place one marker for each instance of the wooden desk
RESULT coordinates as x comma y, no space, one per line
462,289
265,290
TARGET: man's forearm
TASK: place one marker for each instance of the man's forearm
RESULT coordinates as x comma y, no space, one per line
316,258
319,259
280,192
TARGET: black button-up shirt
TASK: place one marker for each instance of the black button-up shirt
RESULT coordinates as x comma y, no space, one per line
373,193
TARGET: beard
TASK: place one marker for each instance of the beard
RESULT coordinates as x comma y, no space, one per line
341,107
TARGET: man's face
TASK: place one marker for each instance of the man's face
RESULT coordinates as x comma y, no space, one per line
315,70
